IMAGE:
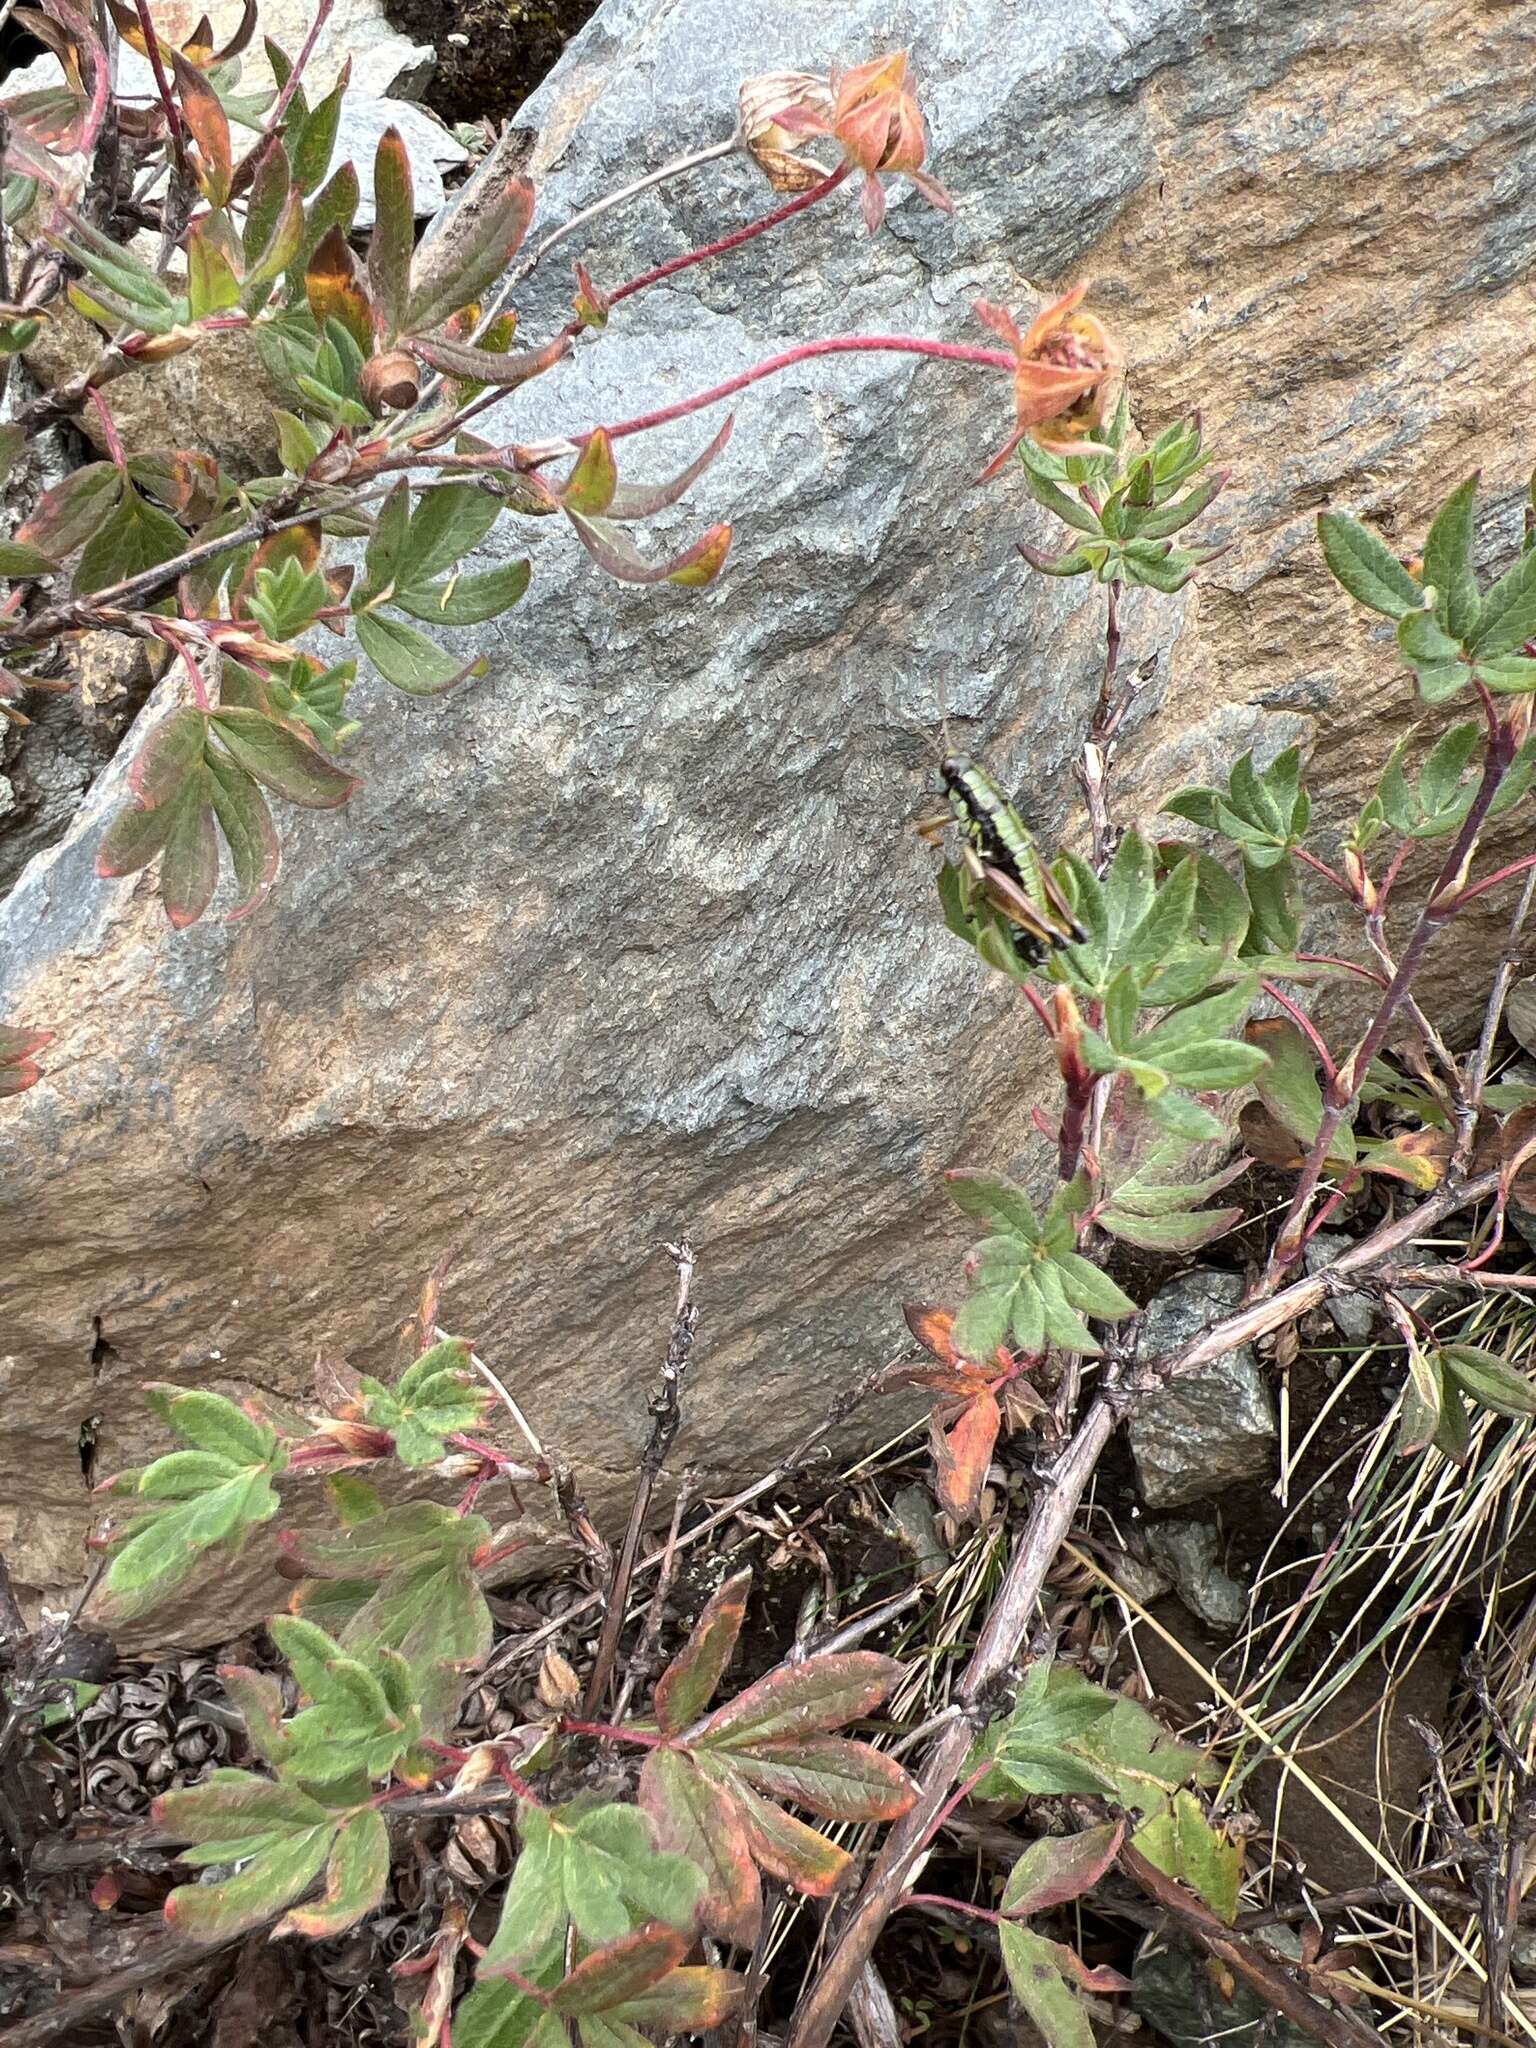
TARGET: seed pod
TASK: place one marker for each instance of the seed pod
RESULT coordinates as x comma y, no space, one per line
390,382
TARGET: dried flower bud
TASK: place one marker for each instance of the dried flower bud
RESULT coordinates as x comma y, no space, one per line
559,1688
763,103
1066,378
390,382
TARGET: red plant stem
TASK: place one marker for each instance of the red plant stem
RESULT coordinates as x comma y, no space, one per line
1328,874
1304,1024
949,1905
162,84
1350,966
605,1732
199,686
1516,867
110,435
1389,878
834,345
1037,1003
961,1793
1341,1094
749,233
300,64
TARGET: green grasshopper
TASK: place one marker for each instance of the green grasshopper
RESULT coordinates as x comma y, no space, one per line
999,854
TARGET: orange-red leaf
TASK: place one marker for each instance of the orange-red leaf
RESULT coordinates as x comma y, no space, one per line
962,1454
803,1699
334,288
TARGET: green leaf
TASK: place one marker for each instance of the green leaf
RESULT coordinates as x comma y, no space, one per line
356,1874
1037,1746
466,600
1177,1232
17,560
1182,1843
134,537
620,1970
436,1397
394,234
283,762
447,522
1509,611
1037,1978
992,1199
1448,565
1491,1381
214,1912
313,140
410,660
1366,566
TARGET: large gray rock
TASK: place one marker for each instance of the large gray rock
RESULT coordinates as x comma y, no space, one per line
632,937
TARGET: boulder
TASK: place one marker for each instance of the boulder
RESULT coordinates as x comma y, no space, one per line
632,937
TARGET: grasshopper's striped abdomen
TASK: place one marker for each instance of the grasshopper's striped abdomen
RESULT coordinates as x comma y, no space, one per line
1001,853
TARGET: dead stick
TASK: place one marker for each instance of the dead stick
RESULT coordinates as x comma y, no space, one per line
666,1417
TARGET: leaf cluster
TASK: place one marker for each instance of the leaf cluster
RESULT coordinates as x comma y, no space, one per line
1451,632
1126,508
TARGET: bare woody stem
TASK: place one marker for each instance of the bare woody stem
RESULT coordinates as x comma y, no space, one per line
1440,906
666,1417
1034,1552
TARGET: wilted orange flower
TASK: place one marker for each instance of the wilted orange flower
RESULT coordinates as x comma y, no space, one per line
876,122
1066,378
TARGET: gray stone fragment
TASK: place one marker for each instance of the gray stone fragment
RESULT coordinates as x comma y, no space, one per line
1192,1553
1353,1314
1209,1428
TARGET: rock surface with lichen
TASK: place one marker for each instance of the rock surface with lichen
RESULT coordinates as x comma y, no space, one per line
632,937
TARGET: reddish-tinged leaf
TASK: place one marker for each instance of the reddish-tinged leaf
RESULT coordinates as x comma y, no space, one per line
70,513
617,555
1418,1157
18,1070
641,501
591,484
355,1877
689,2001
250,835
299,544
1266,1139
829,1775
467,252
689,1682
962,1454
189,866
918,1374
171,751
133,839
696,1817
1061,1867
276,756
257,1698
210,128
212,1912
788,1849
333,286
484,366
933,1327
621,1970
803,1699
394,235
